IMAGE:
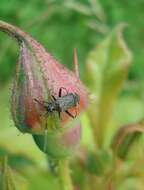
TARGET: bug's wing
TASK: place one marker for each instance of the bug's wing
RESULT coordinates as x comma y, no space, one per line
65,102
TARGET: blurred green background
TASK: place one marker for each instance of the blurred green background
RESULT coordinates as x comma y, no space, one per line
61,26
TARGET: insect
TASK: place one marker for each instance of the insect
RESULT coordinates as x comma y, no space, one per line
62,103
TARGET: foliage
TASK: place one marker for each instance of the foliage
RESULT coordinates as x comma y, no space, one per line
111,152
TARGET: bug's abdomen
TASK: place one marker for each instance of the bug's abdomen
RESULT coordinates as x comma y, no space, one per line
66,102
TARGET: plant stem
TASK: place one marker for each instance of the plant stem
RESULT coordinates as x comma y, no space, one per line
6,181
4,172
64,175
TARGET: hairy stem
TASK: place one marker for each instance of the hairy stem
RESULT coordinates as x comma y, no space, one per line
64,175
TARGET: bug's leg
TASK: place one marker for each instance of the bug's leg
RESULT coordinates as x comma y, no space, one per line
60,91
45,114
70,114
39,102
73,116
76,110
53,97
59,113
43,103
45,134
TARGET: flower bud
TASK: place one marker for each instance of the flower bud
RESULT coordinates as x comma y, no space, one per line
39,77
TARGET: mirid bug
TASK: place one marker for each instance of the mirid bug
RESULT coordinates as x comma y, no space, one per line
62,103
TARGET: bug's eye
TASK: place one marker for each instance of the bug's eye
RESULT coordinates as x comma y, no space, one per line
77,98
50,108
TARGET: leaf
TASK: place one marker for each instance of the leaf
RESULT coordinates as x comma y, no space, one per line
107,66
20,161
98,10
10,180
3,152
17,161
125,138
98,163
78,7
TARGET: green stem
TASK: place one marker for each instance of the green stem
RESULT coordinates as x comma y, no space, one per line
64,175
6,180
4,173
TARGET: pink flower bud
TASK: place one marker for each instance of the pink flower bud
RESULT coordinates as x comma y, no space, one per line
38,77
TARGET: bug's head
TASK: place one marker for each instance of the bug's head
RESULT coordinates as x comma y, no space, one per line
51,107
77,98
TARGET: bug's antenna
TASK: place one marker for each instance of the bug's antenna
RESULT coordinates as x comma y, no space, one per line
76,65
39,102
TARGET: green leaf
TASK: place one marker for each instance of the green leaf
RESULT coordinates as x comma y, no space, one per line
3,152
78,7
107,66
20,161
9,179
125,138
99,163
97,10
